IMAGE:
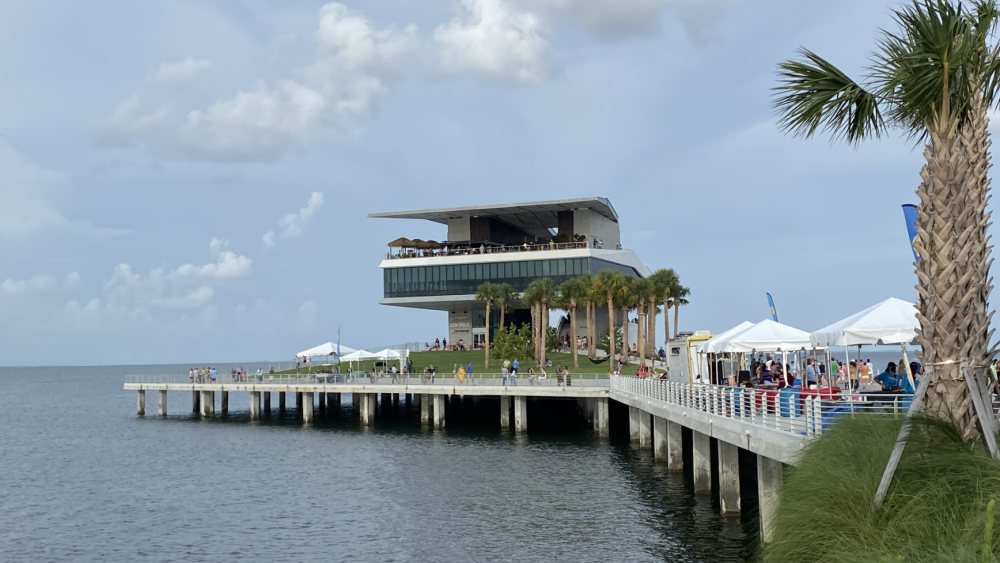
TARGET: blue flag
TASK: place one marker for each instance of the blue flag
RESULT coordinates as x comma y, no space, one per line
910,214
774,312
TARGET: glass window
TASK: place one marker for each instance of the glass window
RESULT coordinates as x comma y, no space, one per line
531,269
560,270
545,268
450,272
508,270
479,274
578,265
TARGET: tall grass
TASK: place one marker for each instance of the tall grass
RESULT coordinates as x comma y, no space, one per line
936,509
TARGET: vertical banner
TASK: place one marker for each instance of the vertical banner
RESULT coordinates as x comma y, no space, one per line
774,312
910,214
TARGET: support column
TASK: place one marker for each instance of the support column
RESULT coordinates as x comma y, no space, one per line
225,402
298,401
195,401
438,411
520,414
267,402
645,430
211,402
603,429
702,462
505,411
675,448
281,401
203,401
331,401
254,405
140,402
660,450
729,477
768,486
417,400
163,403
308,402
633,424
425,410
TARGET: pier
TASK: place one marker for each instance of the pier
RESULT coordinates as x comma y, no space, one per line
669,418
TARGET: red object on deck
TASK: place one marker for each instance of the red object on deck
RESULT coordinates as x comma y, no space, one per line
825,394
772,399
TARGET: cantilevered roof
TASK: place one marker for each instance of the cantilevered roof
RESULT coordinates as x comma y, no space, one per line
532,217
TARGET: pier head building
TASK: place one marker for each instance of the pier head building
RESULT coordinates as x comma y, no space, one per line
513,243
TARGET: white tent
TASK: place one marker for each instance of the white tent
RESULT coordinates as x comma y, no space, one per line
328,349
388,354
892,321
768,336
359,355
715,344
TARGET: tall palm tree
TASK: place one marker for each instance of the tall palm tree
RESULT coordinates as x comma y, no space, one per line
660,283
487,292
641,289
505,295
573,293
626,302
665,282
678,299
934,80
610,284
587,281
541,293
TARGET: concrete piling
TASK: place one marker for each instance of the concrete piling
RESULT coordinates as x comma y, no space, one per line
645,430
225,402
505,411
254,405
520,414
702,460
675,448
308,403
438,413
267,402
660,450
140,402
768,486
633,424
425,411
281,401
163,402
195,401
729,477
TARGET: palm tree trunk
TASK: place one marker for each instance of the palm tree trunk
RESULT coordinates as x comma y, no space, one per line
536,323
954,266
677,310
666,325
625,347
590,329
487,346
651,323
640,339
545,327
572,334
503,313
611,329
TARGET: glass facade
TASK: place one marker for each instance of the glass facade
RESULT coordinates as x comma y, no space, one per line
464,279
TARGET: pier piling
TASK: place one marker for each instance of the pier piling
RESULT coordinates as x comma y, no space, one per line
267,402
729,477
308,402
425,411
140,402
645,430
195,401
702,460
505,411
768,487
660,449
675,448
603,428
281,401
163,402
633,424
520,414
438,411
225,402
254,405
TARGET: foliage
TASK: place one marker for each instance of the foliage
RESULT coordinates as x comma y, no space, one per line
602,342
551,339
936,509
511,343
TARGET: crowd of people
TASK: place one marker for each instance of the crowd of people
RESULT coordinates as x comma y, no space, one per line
467,249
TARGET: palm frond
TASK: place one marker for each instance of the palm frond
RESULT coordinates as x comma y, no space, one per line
813,93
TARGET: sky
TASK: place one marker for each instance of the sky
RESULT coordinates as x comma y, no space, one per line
187,181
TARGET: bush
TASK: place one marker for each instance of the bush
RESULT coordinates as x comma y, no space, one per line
602,342
935,510
511,343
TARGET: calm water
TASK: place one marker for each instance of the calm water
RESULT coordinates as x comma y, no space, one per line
83,479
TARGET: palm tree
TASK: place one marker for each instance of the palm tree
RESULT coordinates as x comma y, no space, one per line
540,293
610,284
641,288
505,295
934,80
572,293
679,293
587,281
487,291
660,283
626,301
665,281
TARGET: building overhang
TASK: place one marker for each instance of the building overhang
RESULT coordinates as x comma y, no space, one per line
623,257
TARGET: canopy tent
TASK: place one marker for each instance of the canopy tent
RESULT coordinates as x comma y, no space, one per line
892,321
768,336
401,242
328,349
712,345
388,354
359,355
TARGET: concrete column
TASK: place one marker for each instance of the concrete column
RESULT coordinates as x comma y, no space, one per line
505,411
729,477
425,411
298,401
417,400
768,487
254,405
281,401
140,402
520,414
203,400
211,402
633,424
308,402
195,401
163,403
702,462
603,429
438,411
321,402
675,448
372,399
267,402
645,430
331,400
660,450
225,402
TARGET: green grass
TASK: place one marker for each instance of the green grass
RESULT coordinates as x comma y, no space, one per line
445,362
935,510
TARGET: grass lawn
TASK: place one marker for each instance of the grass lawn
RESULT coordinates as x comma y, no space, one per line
446,362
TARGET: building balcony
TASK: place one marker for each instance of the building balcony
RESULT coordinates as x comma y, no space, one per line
474,249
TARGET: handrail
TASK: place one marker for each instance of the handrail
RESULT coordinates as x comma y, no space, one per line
340,379
503,249
801,412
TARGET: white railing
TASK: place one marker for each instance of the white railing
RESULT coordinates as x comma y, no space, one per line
473,250
363,378
802,412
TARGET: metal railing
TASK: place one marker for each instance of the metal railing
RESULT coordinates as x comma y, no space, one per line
366,378
797,411
478,250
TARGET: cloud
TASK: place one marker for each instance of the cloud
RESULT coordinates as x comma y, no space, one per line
341,86
493,37
24,192
216,245
295,223
307,315
181,73
37,283
268,239
72,279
